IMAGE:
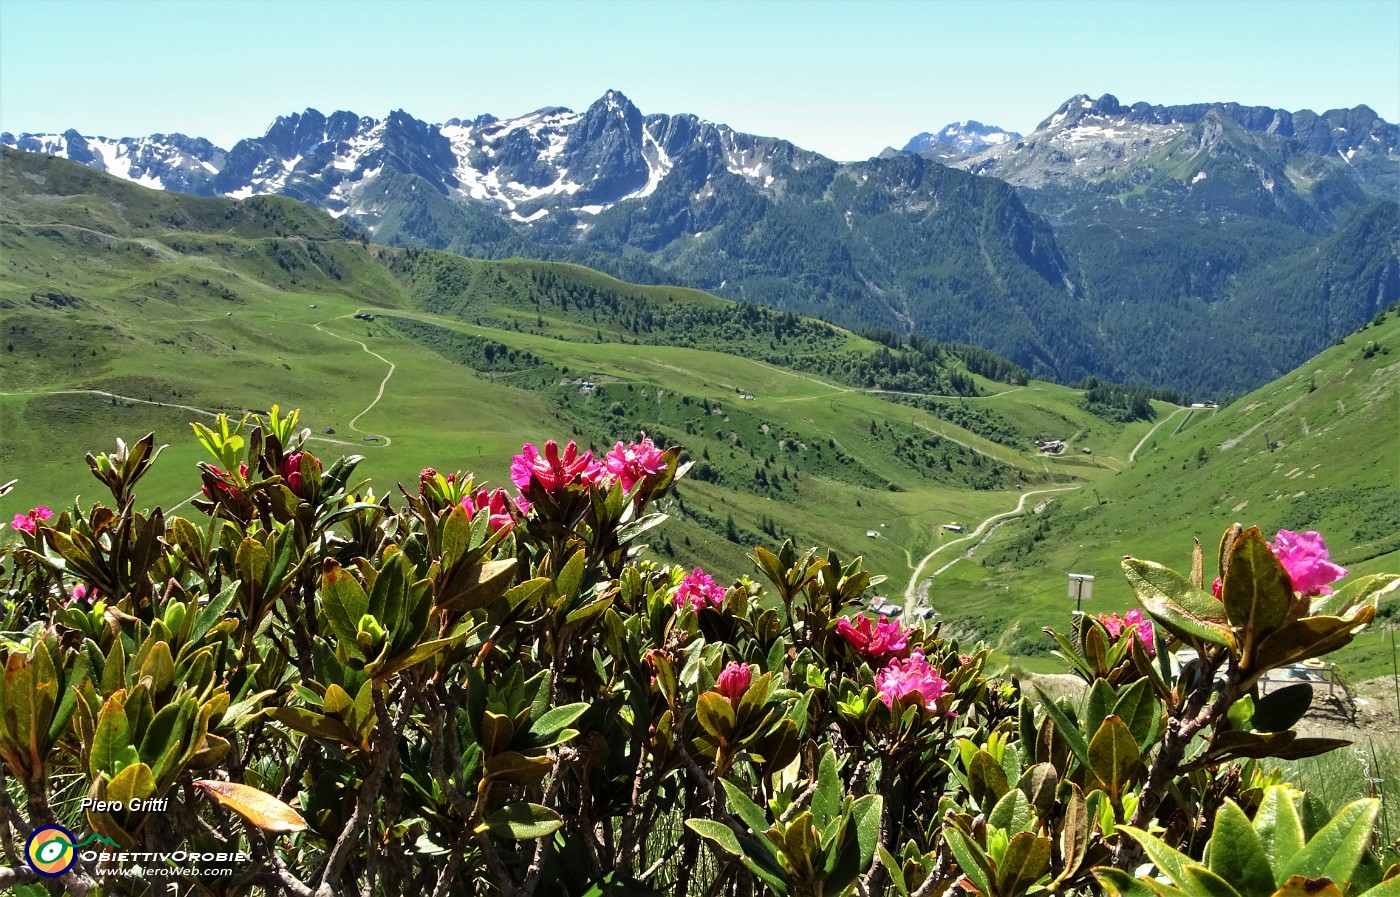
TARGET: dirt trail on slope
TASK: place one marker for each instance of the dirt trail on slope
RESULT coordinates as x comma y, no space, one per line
975,534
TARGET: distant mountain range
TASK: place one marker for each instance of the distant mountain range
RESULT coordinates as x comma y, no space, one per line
1246,238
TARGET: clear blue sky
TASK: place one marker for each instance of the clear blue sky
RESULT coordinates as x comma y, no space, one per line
843,78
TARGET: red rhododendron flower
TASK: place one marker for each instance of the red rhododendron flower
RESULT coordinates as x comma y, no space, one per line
915,675
291,472
734,681
497,503
699,589
877,641
634,462
552,470
29,521
1304,555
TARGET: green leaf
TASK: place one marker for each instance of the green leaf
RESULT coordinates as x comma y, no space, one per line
986,780
1257,590
133,782
1363,590
971,859
1173,601
1279,710
1114,755
571,577
1025,861
1201,882
895,869
517,768
826,800
717,832
1065,727
866,813
1139,709
1172,863
630,531
418,654
478,585
456,536
310,723
1336,850
1039,784
1102,698
715,714
557,718
111,745
210,614
522,822
1279,828
744,807
1236,853
1120,884
754,857
1307,638
1076,833
345,602
1012,813
285,549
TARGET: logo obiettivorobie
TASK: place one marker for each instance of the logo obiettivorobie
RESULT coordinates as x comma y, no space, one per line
51,850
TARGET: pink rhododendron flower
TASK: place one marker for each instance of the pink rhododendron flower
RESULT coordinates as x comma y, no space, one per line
699,589
29,521
915,675
496,502
877,641
1304,555
1133,622
734,681
1217,588
634,462
553,470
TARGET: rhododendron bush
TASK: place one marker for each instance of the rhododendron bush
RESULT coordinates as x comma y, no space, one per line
467,688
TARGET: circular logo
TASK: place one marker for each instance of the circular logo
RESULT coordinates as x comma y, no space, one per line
50,851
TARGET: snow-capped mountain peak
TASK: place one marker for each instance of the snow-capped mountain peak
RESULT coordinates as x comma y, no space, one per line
961,138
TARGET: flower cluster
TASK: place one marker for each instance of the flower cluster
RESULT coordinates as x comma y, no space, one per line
634,462
914,675
628,464
1304,556
699,589
30,520
1135,622
877,642
553,470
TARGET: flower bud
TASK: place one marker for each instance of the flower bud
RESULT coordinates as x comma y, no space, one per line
734,681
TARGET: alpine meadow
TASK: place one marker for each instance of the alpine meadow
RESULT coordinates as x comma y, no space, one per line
598,503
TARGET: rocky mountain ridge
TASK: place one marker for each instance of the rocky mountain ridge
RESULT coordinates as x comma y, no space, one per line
1054,249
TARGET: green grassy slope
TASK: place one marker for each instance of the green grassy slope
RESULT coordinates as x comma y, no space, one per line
1314,450
124,310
